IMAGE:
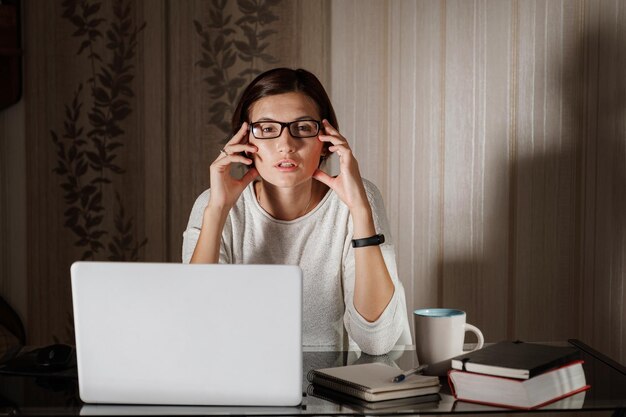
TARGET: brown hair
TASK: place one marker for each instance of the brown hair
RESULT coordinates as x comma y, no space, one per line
280,81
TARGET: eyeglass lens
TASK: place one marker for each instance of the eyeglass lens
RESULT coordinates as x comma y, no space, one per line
298,129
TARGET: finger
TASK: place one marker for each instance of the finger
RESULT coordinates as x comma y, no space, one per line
332,136
223,154
240,147
249,176
330,129
240,135
229,159
342,151
340,147
335,140
322,177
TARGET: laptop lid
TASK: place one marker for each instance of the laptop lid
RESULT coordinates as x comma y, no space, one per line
179,334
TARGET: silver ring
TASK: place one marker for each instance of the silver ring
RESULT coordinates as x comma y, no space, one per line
224,152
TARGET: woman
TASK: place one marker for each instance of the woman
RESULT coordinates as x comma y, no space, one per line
285,210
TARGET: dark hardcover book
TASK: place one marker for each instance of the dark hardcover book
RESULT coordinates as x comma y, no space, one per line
546,388
515,359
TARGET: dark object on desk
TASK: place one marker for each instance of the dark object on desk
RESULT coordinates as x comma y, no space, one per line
55,360
55,357
515,359
538,391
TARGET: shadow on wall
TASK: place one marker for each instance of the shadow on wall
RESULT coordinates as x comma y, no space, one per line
604,173
567,209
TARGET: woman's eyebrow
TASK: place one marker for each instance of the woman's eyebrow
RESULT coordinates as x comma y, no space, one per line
269,119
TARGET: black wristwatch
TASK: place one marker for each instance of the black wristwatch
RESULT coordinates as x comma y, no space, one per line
368,241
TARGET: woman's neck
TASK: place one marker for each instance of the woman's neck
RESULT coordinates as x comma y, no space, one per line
287,203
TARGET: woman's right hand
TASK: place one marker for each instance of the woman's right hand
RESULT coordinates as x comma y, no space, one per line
225,189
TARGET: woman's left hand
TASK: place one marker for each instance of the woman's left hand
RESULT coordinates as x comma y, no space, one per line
348,184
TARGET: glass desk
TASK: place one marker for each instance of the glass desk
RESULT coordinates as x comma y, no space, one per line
30,395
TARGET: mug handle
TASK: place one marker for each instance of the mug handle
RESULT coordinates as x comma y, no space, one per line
479,335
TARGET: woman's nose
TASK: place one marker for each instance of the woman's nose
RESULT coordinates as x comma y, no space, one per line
286,143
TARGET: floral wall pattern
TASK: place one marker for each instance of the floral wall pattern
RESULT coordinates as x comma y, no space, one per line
86,150
224,43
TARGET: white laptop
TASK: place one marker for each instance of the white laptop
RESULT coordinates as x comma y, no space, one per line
178,334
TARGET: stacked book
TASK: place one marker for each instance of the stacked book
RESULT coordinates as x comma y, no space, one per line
371,387
517,375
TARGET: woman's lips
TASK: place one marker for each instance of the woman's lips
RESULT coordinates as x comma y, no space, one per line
286,165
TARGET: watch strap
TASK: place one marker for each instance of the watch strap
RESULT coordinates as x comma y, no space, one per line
368,241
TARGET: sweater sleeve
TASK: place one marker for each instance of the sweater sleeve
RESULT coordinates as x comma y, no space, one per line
380,336
194,225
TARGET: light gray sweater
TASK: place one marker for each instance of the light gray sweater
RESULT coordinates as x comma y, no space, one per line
320,243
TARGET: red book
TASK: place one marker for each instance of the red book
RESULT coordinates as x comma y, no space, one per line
535,392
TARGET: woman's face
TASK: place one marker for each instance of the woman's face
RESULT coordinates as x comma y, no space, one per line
286,161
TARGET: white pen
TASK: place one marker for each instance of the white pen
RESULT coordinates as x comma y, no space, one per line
404,374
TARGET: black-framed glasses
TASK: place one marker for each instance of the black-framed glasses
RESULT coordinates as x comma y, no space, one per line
297,129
